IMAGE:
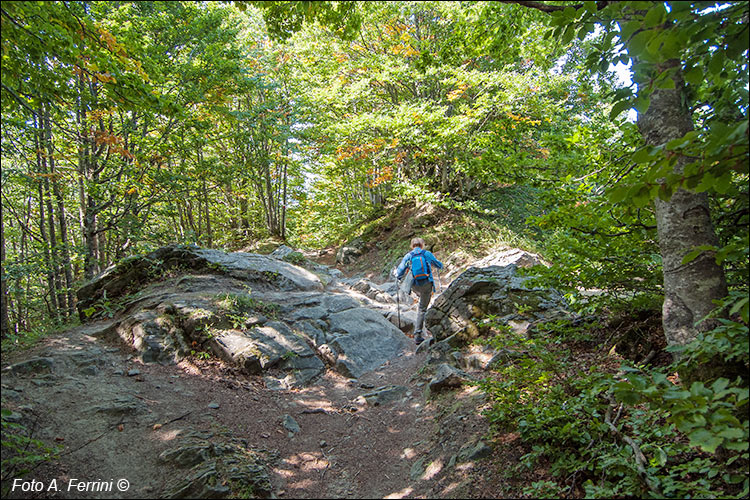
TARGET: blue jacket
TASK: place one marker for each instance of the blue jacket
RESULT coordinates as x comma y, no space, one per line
406,262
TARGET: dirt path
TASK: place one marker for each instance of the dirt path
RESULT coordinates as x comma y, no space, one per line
113,416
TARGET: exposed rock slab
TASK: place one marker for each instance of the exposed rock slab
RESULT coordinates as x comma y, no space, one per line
264,315
261,270
478,292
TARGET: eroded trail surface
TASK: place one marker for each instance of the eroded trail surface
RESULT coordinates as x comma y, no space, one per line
114,416
215,375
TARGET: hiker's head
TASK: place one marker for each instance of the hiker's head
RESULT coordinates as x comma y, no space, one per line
417,242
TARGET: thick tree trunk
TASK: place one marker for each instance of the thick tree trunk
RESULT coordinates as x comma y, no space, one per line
683,223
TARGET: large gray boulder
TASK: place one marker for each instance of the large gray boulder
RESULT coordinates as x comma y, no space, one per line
271,347
266,316
260,271
479,292
362,340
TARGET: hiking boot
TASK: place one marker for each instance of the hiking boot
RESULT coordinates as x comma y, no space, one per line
418,339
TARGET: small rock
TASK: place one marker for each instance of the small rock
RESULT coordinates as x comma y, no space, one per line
11,394
89,370
133,372
213,405
474,451
446,377
290,424
323,443
13,417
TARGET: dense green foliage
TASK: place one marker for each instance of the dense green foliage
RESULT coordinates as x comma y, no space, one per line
129,125
633,432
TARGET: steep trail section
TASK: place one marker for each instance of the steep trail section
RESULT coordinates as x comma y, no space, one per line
166,420
195,425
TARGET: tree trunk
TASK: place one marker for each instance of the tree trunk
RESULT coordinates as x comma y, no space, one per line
49,168
64,240
47,243
683,223
209,235
4,296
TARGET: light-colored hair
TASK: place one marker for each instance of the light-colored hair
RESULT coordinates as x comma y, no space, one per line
417,242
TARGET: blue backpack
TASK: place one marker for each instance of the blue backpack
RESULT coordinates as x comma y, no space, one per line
420,269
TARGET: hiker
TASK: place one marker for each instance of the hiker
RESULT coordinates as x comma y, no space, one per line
420,261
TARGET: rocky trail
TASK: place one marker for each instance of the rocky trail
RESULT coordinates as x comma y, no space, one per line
306,391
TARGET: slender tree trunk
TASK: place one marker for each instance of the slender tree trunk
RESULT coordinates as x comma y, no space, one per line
64,240
46,242
103,250
444,176
209,235
49,170
191,219
284,200
4,295
683,222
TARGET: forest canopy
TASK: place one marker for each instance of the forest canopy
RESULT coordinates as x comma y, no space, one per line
128,125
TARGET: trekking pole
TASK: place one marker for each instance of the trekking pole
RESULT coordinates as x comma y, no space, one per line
398,302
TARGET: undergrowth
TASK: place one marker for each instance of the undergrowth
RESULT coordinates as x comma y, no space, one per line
21,452
599,426
19,341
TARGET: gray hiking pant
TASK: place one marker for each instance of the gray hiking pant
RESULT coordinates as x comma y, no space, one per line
425,294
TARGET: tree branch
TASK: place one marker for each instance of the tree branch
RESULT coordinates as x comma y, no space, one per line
640,459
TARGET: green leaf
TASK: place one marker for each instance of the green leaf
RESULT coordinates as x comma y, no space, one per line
619,107
642,197
723,183
637,45
678,143
568,35
737,306
643,155
629,28
642,103
655,15
731,433
665,83
720,384
618,194
665,192
716,65
661,457
704,439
